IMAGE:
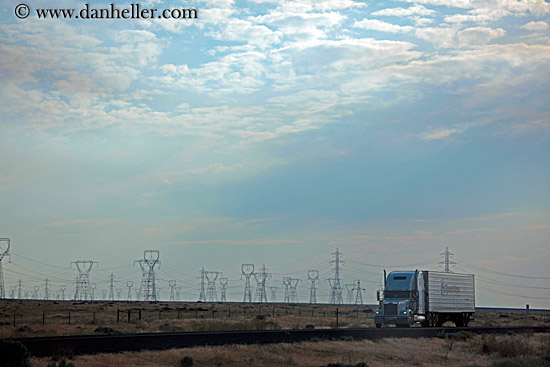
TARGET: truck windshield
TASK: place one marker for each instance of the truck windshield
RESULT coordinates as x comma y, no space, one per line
397,294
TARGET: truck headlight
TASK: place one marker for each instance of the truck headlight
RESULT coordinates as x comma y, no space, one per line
377,312
404,312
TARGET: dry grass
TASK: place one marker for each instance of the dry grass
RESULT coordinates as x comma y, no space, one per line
180,316
387,352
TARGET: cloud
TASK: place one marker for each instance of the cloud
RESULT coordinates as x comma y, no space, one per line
439,134
378,25
535,26
403,12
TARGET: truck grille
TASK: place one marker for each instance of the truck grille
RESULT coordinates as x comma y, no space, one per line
390,309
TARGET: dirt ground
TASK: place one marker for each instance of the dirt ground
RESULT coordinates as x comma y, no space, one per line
464,350
55,318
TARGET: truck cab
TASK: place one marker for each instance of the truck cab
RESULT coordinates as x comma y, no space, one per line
400,301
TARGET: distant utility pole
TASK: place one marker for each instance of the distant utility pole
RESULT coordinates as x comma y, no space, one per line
46,291
212,293
349,293
335,283
19,289
4,251
62,289
293,292
273,294
223,283
286,283
447,256
313,276
172,284
247,271
148,287
84,267
202,292
358,293
261,277
92,291
112,288
129,285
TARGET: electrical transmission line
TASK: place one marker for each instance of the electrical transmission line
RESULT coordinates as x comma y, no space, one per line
223,283
212,293
349,293
313,276
358,293
286,282
293,292
202,293
172,284
261,277
335,283
148,287
447,256
129,285
4,251
273,294
84,267
247,271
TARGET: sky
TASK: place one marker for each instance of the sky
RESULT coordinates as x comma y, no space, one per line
274,132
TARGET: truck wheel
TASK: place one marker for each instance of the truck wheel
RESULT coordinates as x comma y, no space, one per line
378,326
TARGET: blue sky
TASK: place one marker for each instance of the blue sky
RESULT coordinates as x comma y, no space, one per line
272,131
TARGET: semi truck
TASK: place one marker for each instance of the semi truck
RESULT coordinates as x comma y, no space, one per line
428,298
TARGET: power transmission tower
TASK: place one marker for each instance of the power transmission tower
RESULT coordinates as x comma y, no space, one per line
46,291
293,291
261,278
84,267
19,289
313,276
335,283
4,251
129,285
178,293
12,292
119,294
349,293
223,283
273,294
112,288
447,256
211,277
286,282
104,293
148,287
359,293
92,291
202,292
172,284
35,292
247,271
62,291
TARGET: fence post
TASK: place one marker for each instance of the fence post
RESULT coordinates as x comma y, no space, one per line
229,312
117,315
69,317
336,317
93,322
129,311
160,313
43,318
14,318
139,315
